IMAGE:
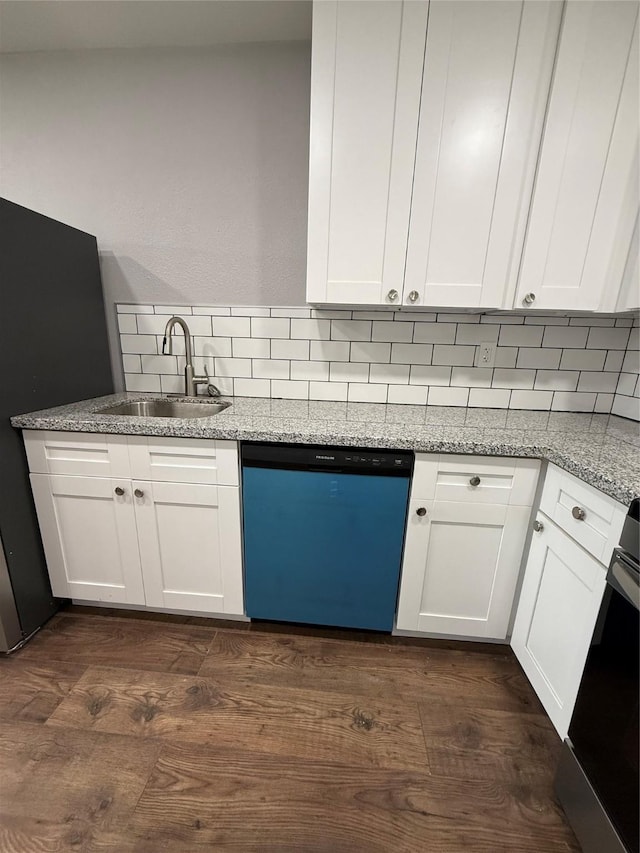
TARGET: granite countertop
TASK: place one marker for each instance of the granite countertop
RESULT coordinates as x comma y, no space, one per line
603,450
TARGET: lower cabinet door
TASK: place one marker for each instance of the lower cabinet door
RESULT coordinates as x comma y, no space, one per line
561,595
89,534
460,567
190,546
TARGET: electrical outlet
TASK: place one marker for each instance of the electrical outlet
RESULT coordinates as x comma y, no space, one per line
486,354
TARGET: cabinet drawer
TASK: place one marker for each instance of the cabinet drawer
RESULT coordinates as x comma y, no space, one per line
475,479
76,453
599,518
184,460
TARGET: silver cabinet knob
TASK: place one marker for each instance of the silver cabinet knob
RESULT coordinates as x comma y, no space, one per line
475,480
421,511
529,298
392,295
578,513
413,296
119,491
138,493
538,526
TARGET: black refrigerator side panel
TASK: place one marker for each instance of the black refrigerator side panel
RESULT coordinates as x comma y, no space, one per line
53,350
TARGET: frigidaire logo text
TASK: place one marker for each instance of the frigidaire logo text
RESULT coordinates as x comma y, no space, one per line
328,458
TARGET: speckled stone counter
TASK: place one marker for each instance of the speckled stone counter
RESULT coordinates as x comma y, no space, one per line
603,450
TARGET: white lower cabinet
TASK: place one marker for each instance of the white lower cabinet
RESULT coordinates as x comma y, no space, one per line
164,544
557,611
462,557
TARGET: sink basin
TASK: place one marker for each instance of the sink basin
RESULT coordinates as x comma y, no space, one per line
165,409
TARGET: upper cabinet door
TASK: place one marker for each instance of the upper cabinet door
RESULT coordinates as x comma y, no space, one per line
365,93
487,73
586,194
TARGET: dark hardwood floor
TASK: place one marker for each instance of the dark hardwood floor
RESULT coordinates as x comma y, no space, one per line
133,733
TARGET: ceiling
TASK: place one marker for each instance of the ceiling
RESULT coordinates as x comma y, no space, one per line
30,25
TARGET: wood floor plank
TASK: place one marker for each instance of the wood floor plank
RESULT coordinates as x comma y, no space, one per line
472,743
31,689
407,674
303,723
73,789
207,799
126,643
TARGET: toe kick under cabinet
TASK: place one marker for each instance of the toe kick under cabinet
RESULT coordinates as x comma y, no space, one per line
466,529
139,520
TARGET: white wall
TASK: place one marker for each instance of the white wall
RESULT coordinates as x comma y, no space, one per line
189,165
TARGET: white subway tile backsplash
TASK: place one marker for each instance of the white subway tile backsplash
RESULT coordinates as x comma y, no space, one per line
348,372
572,401
316,330
531,399
573,337
480,334
273,327
389,373
252,387
556,380
370,352
472,377
366,393
548,359
492,398
583,359
411,353
291,349
127,324
392,332
504,377
598,381
454,355
608,338
290,390
626,407
521,336
270,368
232,327
408,394
448,396
429,375
351,330
131,363
251,348
138,344
434,333
328,391
315,370
541,361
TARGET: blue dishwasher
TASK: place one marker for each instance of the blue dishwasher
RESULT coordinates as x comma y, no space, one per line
323,533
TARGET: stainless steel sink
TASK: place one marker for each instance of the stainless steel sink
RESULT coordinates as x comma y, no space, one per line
165,409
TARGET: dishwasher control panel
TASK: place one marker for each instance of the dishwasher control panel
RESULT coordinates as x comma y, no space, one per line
313,458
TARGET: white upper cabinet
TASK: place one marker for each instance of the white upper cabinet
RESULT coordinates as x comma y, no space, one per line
585,202
425,125
365,94
486,78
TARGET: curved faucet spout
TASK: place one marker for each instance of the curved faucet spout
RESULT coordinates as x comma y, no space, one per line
191,381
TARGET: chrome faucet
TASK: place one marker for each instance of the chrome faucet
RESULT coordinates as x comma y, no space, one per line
191,381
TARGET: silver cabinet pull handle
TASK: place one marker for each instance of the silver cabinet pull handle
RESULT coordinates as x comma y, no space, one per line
538,526
578,513
475,480
529,298
421,511
392,295
138,493
119,491
413,296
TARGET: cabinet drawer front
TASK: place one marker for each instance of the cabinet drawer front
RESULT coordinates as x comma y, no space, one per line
77,454
475,479
598,530
184,460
